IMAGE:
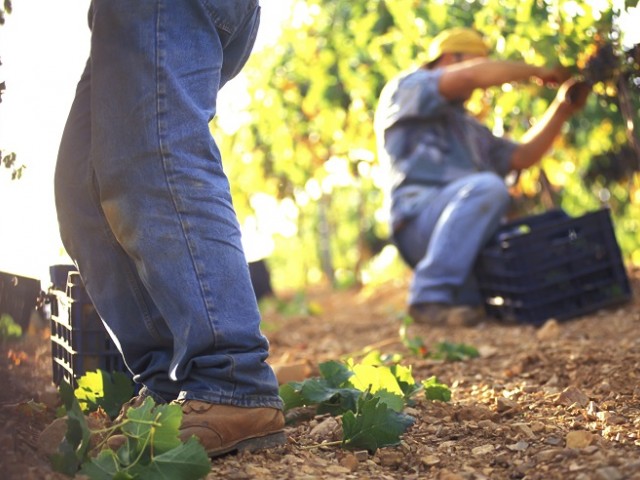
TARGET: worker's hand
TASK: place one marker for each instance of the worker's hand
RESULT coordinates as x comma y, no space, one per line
553,75
573,93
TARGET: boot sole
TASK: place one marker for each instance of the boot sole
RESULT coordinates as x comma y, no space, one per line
251,444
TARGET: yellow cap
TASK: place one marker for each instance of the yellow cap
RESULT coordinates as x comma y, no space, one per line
456,40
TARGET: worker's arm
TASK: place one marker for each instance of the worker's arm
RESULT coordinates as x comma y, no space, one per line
571,98
460,79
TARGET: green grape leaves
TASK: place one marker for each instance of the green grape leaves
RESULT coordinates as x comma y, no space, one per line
9,329
453,352
75,445
318,391
104,390
186,461
374,425
150,449
434,390
370,396
153,425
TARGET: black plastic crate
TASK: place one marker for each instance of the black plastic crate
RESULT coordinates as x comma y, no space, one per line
79,341
18,297
552,266
59,275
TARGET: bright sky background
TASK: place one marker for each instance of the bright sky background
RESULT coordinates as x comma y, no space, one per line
43,47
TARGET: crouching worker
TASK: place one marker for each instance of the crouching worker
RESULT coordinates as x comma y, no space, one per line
448,193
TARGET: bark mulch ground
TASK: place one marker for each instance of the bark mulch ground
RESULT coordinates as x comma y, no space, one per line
561,401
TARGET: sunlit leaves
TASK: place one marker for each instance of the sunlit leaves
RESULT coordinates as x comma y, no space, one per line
444,350
314,94
9,329
104,390
453,352
150,449
332,392
153,425
150,446
370,396
434,390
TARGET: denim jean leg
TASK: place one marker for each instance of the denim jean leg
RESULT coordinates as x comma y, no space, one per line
166,199
89,241
449,233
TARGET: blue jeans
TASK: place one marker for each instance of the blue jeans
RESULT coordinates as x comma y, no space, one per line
445,238
144,206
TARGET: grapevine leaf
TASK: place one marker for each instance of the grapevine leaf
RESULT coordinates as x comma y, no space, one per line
75,445
374,357
139,426
9,329
166,435
187,461
373,374
103,467
390,358
101,389
415,344
78,431
153,449
335,373
406,382
402,374
373,426
454,351
291,396
374,378
155,425
317,390
330,400
123,475
434,390
394,401
66,460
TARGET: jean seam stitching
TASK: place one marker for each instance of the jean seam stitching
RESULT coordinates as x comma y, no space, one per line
161,92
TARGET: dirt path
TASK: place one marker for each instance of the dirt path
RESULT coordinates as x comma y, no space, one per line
561,401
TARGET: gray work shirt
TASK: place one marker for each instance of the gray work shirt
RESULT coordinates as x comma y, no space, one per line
427,141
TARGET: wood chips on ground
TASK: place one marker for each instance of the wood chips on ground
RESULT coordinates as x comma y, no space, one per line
557,402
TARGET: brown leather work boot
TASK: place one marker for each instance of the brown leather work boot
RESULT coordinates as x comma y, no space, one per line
225,428
440,314
429,313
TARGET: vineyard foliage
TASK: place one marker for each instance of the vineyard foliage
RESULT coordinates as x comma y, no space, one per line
303,165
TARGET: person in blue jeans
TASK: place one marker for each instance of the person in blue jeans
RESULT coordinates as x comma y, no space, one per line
447,189
145,211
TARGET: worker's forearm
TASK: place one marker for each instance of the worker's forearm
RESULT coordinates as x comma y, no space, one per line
460,80
487,73
539,138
